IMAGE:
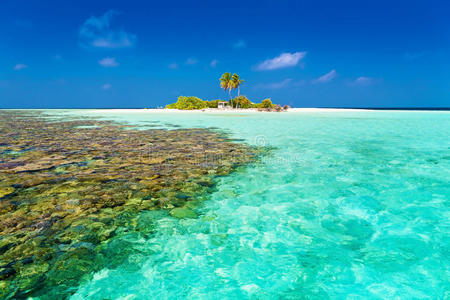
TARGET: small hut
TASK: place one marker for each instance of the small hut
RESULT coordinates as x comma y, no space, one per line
221,104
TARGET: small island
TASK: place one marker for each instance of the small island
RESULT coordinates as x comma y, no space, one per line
227,82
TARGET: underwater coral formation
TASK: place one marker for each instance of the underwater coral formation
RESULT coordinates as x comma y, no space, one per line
75,194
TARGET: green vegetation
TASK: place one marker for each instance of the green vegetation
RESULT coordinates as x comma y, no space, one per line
213,103
188,103
242,102
227,82
236,82
192,103
266,103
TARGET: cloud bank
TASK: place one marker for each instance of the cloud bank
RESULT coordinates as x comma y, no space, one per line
363,81
173,66
106,86
214,63
326,77
191,61
96,32
108,62
284,60
19,67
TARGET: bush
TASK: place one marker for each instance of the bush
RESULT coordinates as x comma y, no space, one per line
242,101
266,103
171,106
213,103
187,103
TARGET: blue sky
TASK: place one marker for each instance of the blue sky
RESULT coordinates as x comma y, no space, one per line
83,54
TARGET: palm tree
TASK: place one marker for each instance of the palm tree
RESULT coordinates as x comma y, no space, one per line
226,83
236,83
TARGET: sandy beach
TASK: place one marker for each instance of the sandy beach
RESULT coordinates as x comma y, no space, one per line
221,111
248,111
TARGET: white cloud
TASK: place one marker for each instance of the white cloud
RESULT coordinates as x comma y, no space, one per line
240,44
96,32
191,61
108,62
284,60
274,85
363,81
326,77
19,67
214,63
106,86
173,66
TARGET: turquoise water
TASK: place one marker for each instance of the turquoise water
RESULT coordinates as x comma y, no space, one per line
350,205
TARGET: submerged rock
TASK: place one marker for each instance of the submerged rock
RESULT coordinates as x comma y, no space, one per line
183,213
4,191
6,272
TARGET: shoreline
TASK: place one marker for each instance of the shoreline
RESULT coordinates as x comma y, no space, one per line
231,111
251,110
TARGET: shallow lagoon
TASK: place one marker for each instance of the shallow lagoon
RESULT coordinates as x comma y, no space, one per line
351,204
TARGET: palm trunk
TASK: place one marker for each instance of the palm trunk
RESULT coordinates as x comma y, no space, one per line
231,101
239,93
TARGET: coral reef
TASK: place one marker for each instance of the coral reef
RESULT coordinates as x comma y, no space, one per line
74,195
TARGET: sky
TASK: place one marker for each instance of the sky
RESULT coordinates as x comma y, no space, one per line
135,54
